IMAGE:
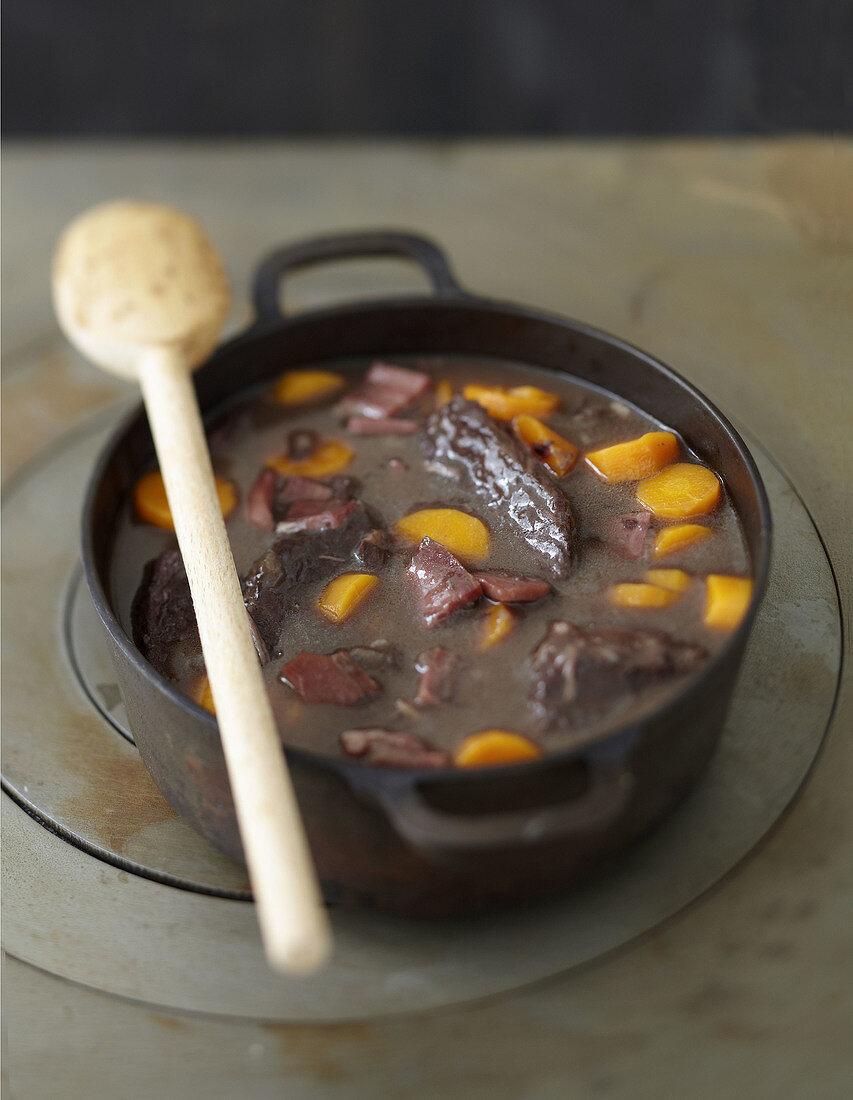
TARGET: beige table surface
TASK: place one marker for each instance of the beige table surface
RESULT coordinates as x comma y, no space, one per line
732,261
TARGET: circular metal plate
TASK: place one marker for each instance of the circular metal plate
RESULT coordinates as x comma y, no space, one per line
104,910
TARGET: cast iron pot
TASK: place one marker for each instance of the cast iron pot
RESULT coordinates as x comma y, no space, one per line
426,842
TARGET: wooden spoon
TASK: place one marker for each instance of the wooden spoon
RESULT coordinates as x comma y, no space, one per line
140,289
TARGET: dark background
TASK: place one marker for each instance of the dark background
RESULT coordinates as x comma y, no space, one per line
356,67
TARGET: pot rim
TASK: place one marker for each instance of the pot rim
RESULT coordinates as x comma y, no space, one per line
371,776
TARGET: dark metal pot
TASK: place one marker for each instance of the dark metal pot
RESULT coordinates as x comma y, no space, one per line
449,841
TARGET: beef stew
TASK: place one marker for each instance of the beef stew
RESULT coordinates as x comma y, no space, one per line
449,562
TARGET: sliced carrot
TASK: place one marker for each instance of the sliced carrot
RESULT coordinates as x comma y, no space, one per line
553,449
681,490
504,404
490,747
635,459
640,595
674,580
203,695
298,387
500,623
330,457
342,596
152,505
443,392
727,601
672,539
465,536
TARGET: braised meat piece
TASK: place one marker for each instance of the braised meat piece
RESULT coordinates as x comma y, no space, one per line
627,534
385,425
578,675
270,497
442,584
301,443
334,678
437,668
292,489
164,626
511,588
259,500
273,583
385,391
463,442
372,551
377,655
316,515
392,749
163,619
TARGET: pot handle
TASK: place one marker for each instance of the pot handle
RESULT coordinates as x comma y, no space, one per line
427,827
347,246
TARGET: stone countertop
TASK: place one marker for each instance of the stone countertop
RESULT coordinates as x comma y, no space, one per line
730,260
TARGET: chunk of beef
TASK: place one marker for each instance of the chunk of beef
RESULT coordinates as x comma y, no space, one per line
301,443
303,488
260,645
437,668
270,497
463,442
578,676
378,654
259,500
385,425
392,749
163,619
511,588
164,626
385,391
274,582
442,584
372,551
316,515
627,534
334,678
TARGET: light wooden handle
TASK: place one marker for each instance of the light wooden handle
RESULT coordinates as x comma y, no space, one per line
293,921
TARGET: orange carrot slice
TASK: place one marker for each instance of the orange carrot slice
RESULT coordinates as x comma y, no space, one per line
500,623
345,594
464,536
491,747
672,539
203,695
674,580
298,387
443,392
635,459
681,490
330,457
504,404
152,505
727,601
555,451
648,596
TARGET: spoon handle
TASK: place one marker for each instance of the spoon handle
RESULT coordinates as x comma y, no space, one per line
293,921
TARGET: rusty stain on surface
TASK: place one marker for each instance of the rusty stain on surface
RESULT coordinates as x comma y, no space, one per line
171,1022
117,797
313,1050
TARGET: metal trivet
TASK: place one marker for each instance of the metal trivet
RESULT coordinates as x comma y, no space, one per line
119,894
